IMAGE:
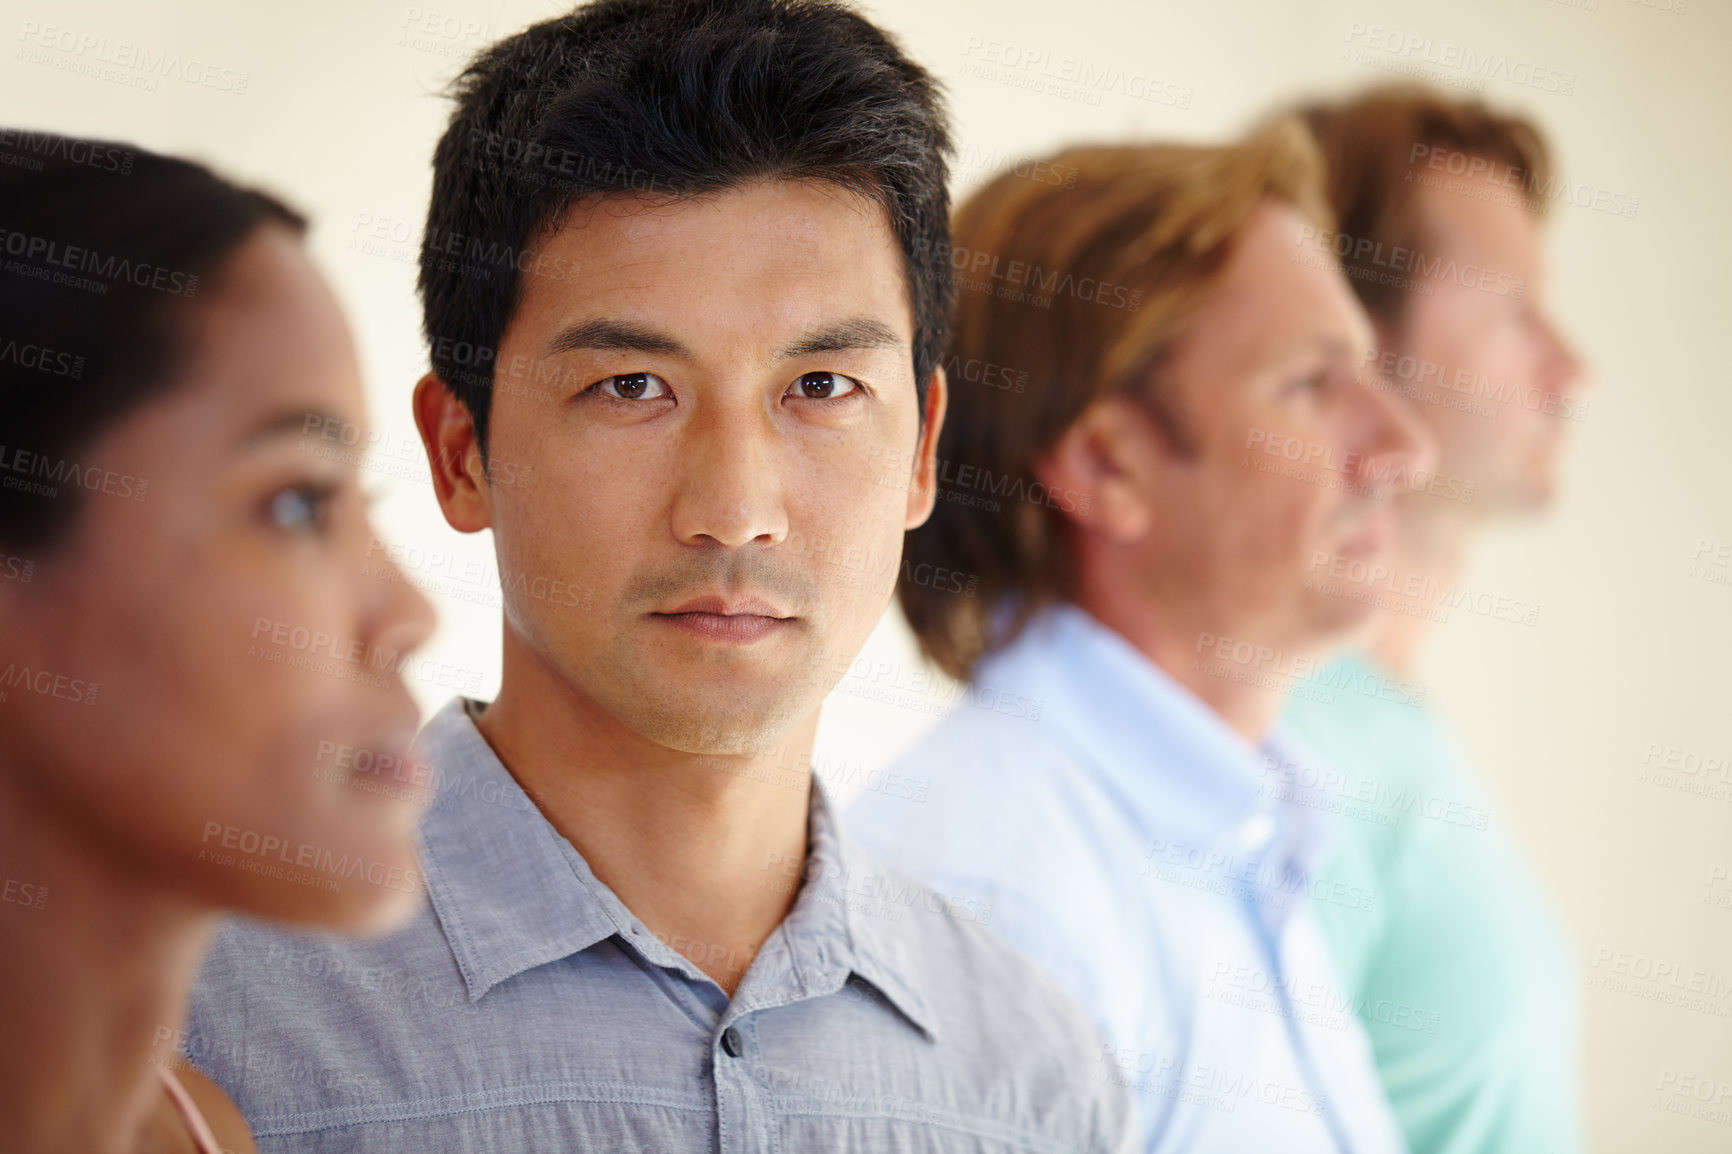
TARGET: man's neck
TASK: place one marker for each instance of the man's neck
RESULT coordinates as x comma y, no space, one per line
1173,638
685,840
1430,543
93,986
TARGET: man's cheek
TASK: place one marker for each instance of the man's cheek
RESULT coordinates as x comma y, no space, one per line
1304,519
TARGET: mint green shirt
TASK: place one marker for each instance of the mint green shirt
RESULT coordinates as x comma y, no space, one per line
1459,969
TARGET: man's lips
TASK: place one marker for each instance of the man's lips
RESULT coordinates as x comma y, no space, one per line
1371,532
721,606
716,618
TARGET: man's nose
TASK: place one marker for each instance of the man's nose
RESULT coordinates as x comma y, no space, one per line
731,486
400,619
1562,369
1397,439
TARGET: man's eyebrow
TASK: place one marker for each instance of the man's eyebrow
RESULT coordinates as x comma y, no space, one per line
1333,346
623,336
857,333
299,422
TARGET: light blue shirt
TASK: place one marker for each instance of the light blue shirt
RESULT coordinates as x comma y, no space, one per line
1124,838
524,1008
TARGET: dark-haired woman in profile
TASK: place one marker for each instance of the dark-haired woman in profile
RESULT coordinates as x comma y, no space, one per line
199,706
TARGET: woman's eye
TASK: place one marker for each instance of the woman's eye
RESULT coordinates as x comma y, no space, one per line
300,508
823,386
633,387
1310,382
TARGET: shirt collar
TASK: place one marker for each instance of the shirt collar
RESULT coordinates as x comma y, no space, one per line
848,920
498,880
1172,761
511,893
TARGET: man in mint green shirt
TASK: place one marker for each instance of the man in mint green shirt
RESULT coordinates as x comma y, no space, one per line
1459,969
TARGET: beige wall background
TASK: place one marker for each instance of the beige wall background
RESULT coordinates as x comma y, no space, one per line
336,104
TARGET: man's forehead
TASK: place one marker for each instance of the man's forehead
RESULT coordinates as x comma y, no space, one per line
1270,300
816,215
775,262
821,333
1497,226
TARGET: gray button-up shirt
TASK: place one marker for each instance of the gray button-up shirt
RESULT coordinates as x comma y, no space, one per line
524,1008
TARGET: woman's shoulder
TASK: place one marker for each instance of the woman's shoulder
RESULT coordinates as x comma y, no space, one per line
207,1103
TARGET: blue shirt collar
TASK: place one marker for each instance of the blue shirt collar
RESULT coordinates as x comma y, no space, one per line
1172,761
831,930
511,893
506,896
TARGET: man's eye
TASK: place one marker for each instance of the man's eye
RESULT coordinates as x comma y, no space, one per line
633,387
300,508
823,386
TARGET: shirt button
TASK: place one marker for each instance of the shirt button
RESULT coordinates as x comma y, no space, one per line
731,1043
1257,832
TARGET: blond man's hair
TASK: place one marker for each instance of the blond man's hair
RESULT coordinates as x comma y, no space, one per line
1077,276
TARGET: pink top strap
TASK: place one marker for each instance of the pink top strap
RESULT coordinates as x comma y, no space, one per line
189,1113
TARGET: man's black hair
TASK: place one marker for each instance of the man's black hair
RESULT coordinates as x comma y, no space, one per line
675,98
106,253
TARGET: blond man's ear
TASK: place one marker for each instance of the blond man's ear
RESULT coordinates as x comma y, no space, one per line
1098,474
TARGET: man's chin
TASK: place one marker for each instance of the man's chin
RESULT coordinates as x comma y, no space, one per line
1336,622
728,729
1540,494
1532,497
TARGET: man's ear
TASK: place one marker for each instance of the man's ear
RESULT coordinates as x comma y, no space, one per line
1102,472
454,455
923,484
